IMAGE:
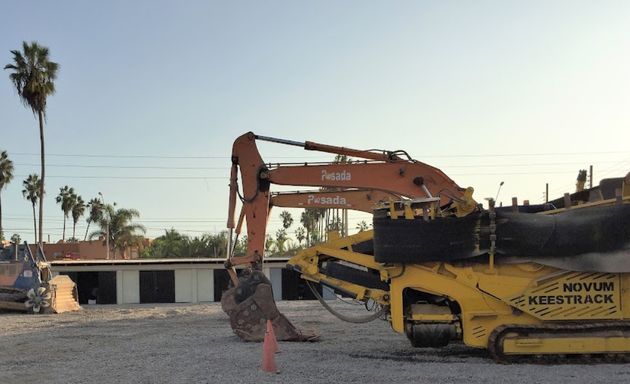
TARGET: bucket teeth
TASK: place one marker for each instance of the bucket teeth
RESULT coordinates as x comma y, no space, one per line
249,317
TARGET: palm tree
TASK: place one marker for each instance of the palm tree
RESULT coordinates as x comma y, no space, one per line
66,198
269,242
310,219
281,239
95,208
333,220
34,78
362,226
195,247
217,244
78,210
6,175
122,232
171,243
307,222
32,192
299,235
287,219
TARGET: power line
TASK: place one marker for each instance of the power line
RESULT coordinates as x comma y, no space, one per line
523,165
531,154
615,168
120,156
149,156
227,167
294,157
119,166
227,176
137,177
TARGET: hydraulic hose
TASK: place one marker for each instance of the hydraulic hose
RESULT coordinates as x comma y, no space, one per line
356,320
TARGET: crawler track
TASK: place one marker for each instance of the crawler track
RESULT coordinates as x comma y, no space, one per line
559,331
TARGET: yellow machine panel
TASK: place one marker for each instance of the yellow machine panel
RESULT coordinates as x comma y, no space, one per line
573,296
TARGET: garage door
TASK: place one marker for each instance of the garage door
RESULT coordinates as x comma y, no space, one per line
157,287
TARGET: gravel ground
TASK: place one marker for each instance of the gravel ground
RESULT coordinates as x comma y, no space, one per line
194,344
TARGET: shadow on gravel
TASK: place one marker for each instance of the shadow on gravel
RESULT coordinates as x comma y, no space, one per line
430,355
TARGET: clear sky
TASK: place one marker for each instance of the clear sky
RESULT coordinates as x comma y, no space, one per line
152,94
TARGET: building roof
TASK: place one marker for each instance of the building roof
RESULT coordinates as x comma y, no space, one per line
275,260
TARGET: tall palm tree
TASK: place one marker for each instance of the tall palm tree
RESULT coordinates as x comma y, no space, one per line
310,219
123,233
95,212
66,198
6,175
78,210
34,78
16,238
32,192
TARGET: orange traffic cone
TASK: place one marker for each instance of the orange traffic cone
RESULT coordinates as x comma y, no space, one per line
272,337
269,361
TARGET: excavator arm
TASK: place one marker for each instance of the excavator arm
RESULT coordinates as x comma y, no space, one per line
384,170
250,302
355,199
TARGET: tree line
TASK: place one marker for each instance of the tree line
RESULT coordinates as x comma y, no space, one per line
109,221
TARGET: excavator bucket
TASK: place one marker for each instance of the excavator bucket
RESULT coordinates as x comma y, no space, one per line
66,297
57,295
251,304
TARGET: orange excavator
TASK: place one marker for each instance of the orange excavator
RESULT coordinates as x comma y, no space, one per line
378,175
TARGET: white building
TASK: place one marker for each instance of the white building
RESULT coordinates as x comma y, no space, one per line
142,281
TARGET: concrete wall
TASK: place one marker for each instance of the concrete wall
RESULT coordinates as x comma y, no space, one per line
205,285
128,287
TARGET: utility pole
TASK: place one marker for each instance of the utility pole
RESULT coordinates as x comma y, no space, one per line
546,192
107,230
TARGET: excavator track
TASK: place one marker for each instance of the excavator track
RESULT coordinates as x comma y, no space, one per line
591,343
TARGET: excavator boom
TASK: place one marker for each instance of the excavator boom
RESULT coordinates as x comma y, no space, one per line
407,178
249,302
